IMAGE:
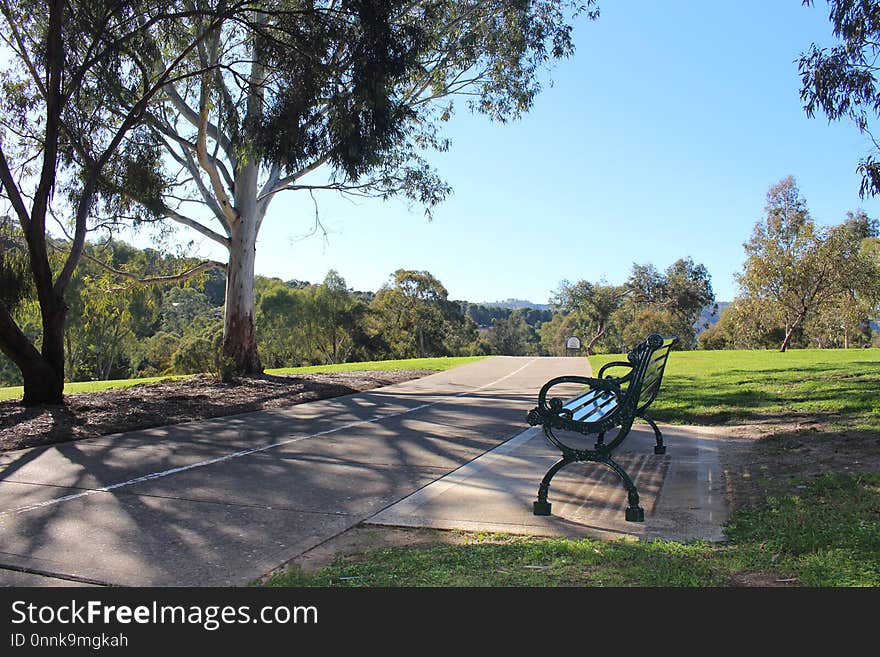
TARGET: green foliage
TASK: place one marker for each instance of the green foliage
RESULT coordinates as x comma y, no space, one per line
513,336
590,306
159,350
118,328
616,318
805,281
841,81
636,321
16,283
745,324
198,351
302,323
412,316
555,333
669,303
183,307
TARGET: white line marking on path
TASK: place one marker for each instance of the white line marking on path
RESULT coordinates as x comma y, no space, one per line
245,452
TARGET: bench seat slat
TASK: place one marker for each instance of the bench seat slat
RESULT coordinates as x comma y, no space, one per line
581,400
597,407
593,414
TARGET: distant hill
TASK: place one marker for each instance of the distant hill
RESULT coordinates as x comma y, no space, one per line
706,316
513,304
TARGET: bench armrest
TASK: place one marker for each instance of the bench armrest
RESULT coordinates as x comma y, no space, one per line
617,363
552,409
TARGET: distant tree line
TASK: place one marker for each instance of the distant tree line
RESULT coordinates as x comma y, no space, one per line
131,315
125,321
130,318
613,318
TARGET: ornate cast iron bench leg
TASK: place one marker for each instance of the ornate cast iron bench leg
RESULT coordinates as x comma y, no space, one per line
659,448
541,507
634,513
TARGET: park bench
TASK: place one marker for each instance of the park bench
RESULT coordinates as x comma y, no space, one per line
608,403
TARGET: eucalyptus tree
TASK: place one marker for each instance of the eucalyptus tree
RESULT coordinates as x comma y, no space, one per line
796,269
345,96
63,145
592,305
414,315
841,81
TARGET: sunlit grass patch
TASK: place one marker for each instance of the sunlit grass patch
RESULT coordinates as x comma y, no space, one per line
16,392
717,387
436,364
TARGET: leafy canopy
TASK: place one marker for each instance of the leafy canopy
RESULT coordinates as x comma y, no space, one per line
841,81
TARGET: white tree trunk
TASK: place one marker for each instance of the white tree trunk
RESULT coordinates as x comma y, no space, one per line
239,332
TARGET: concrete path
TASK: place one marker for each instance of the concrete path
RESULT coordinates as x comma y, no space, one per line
682,492
221,502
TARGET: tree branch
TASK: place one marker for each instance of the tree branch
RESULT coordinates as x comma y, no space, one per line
12,191
208,265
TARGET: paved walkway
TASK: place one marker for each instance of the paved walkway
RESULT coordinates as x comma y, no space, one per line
223,501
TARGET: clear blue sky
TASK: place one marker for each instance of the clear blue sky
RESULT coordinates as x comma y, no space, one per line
658,139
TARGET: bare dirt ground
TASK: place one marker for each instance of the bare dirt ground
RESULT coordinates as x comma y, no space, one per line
92,414
765,459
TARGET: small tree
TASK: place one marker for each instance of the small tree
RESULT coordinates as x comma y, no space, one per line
591,306
555,332
414,315
795,269
512,336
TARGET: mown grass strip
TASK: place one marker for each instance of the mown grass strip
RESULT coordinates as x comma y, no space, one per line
435,364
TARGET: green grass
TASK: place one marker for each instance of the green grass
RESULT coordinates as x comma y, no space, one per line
828,536
718,387
436,364
16,392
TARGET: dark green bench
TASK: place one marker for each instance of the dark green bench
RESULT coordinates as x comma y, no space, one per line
610,402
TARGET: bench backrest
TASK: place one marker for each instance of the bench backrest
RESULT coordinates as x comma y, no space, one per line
649,362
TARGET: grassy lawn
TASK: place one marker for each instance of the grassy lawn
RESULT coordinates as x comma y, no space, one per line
721,387
825,533
436,364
